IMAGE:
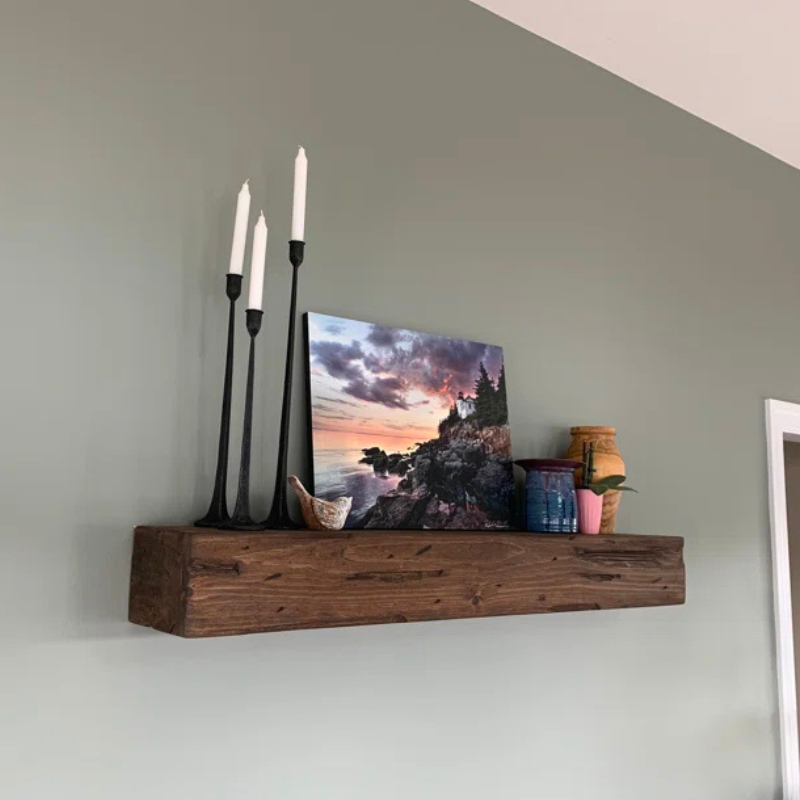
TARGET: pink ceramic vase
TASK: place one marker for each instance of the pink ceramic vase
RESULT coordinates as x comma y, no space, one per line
590,511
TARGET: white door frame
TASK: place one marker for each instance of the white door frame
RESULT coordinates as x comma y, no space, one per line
783,424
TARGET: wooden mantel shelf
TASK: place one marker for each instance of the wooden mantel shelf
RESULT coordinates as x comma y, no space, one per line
197,582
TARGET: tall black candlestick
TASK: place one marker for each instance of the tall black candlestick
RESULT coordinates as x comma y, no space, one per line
217,513
279,518
241,519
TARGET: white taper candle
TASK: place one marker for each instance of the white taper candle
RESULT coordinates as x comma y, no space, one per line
257,263
300,183
240,230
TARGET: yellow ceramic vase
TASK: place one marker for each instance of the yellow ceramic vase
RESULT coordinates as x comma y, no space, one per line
607,461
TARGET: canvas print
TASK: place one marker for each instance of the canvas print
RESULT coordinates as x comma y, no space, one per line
412,426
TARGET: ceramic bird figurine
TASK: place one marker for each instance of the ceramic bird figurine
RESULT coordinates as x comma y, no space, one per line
321,515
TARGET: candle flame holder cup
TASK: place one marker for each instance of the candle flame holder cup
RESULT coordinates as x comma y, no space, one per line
241,519
279,518
217,514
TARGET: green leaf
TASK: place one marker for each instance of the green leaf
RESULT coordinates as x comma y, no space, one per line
612,481
598,488
626,489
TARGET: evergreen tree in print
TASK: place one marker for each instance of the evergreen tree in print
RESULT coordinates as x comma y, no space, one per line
501,399
485,398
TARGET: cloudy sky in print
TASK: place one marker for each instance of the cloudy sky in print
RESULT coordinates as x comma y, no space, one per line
388,382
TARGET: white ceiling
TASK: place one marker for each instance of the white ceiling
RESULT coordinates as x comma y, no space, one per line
733,63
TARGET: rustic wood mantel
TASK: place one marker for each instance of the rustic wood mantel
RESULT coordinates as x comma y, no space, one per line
196,582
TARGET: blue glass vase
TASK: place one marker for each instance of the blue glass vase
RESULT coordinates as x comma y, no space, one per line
551,505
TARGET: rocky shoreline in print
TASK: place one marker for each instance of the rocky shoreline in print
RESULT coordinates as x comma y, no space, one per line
461,480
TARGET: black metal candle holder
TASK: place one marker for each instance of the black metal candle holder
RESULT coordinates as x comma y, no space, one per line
217,514
241,519
279,518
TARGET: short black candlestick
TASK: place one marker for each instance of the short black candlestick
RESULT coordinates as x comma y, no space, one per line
241,519
217,513
279,518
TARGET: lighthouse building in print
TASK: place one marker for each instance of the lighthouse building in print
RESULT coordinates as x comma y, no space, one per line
465,406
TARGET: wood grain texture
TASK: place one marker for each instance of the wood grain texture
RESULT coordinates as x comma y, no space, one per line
196,582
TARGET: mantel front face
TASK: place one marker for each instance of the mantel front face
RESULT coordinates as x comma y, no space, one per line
194,582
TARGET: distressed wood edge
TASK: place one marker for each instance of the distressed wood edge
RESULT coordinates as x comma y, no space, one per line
362,623
599,540
157,596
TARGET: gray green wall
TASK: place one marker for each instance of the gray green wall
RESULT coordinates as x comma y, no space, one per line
638,266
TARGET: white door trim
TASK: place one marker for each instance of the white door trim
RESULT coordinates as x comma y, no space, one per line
783,423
